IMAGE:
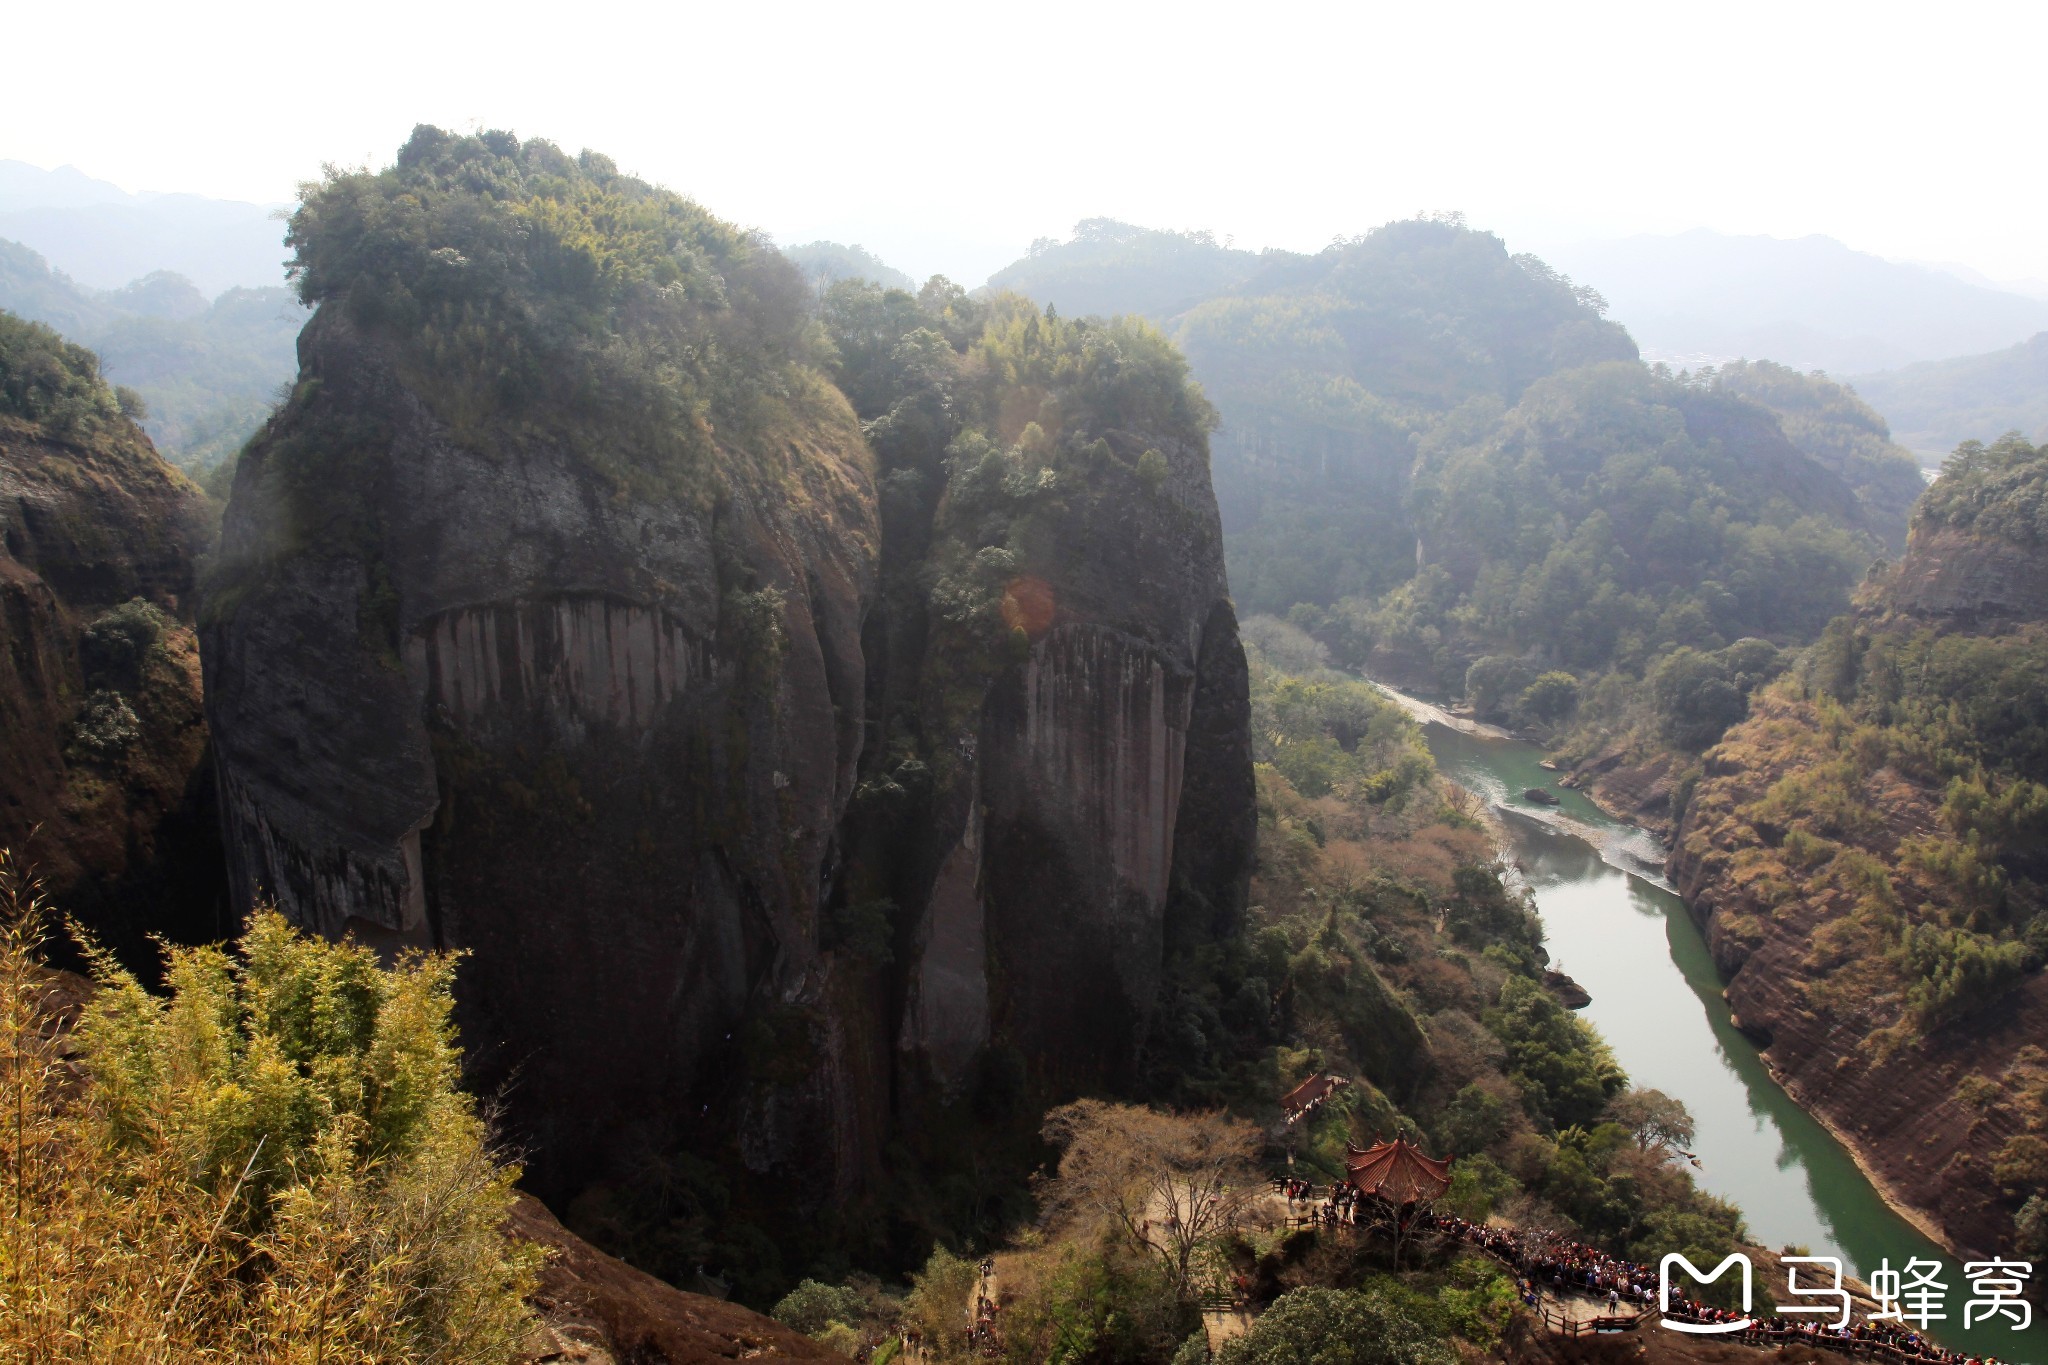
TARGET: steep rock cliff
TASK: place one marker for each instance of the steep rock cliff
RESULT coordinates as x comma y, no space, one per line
1108,797
103,757
1058,795
1806,982
564,674
1864,853
766,801
542,722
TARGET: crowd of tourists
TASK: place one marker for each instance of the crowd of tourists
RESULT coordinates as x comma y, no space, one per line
983,1338
1339,1206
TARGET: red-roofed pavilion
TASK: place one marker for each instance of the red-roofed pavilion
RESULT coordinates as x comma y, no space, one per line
1397,1172
1401,1180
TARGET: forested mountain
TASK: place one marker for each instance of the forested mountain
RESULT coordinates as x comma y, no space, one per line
1939,404
1613,513
1705,298
1329,370
206,370
826,263
1867,852
1326,370
1447,464
1110,268
1841,431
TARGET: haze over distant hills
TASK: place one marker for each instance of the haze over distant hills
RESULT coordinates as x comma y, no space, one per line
1702,297
102,236
208,367
1936,405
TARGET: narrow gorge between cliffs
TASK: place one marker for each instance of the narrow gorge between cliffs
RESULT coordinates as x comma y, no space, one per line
1613,924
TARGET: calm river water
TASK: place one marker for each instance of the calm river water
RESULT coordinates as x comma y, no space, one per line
1614,925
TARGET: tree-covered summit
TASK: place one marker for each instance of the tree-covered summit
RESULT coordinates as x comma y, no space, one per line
1414,315
1829,422
1996,490
1110,268
56,385
529,292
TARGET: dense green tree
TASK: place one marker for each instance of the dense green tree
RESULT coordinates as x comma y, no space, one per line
1550,698
1996,490
530,294
812,1306
1566,1073
1337,1327
52,383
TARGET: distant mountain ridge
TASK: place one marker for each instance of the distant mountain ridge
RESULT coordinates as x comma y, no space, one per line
825,263
1704,297
207,368
1936,405
1110,268
103,236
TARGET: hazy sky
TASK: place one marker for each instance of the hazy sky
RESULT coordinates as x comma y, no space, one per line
947,136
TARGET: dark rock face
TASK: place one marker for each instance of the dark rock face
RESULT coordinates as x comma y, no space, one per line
104,784
520,720
535,718
1115,784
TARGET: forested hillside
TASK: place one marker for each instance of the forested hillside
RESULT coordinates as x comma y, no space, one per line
1841,432
207,371
1110,268
1867,852
1446,463
1938,404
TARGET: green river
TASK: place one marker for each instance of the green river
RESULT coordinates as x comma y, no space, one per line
1613,924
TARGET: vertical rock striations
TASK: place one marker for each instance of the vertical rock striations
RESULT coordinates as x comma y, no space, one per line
511,670
564,616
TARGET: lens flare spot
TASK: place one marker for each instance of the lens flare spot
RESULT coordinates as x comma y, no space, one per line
1028,605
